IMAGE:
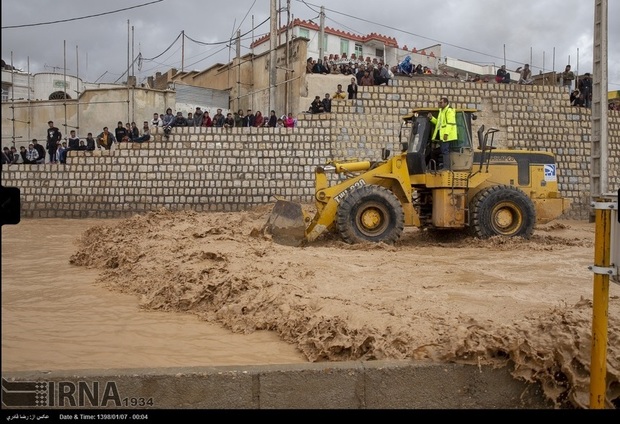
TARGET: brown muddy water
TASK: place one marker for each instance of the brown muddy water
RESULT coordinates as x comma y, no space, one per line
55,317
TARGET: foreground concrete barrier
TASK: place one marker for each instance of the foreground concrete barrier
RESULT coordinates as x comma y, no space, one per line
341,385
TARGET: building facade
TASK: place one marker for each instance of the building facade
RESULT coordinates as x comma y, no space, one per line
341,46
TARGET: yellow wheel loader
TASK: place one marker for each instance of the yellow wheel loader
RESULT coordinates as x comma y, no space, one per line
486,190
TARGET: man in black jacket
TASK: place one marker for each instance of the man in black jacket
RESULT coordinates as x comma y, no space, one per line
53,138
585,87
180,120
41,150
249,119
120,132
317,105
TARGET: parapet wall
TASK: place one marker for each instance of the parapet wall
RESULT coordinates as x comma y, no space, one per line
207,169
334,385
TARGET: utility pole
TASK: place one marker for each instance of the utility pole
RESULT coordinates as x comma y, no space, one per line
128,63
64,102
603,205
133,57
77,90
273,56
287,100
128,43
600,159
322,34
238,56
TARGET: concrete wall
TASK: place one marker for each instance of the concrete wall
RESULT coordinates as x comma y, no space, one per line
334,385
95,109
207,169
247,78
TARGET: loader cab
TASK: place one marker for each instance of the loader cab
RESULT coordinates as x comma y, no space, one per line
423,154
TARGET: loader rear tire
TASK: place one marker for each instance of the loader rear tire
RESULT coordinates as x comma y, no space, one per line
502,210
370,214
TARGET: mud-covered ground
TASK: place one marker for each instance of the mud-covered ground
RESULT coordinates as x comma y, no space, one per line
525,304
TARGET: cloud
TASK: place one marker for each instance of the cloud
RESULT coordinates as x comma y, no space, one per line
546,33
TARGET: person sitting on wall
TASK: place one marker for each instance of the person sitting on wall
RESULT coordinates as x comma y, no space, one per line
576,98
317,105
146,134
218,119
179,120
405,67
61,151
229,121
32,156
7,156
24,154
74,144
105,139
206,120
40,149
290,121
526,75
120,132
327,103
273,119
17,158
168,118
502,76
90,142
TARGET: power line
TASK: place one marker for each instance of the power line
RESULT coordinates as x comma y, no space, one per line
205,58
167,48
308,5
82,17
215,43
227,41
392,28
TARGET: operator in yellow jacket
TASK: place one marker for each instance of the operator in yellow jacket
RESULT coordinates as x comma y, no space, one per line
445,126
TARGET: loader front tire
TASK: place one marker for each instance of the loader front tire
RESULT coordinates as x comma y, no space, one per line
370,214
502,210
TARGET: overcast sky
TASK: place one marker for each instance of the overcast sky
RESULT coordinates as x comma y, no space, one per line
42,34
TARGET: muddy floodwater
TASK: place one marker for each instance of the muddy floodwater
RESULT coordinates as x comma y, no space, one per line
55,316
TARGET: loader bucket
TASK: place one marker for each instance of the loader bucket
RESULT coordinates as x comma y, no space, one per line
287,224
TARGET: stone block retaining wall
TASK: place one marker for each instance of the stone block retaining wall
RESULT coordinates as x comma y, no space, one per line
208,169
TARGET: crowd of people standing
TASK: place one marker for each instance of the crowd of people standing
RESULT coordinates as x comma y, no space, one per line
56,148
200,118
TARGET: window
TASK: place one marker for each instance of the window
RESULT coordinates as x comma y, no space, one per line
305,33
358,50
379,53
6,89
58,95
344,46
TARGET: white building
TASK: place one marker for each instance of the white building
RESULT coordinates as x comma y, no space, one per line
341,46
18,85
